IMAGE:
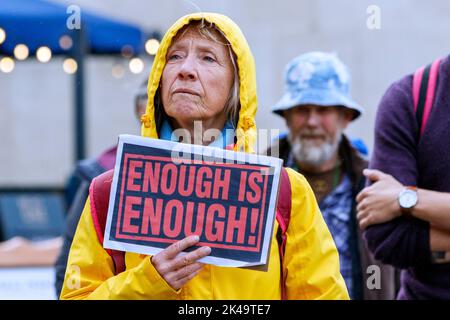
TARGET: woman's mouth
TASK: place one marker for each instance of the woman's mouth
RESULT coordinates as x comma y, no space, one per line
186,91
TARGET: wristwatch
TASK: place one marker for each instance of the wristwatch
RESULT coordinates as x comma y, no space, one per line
407,198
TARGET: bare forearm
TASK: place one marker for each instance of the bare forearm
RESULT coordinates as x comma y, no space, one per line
433,207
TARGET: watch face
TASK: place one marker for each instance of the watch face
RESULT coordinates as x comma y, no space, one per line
407,199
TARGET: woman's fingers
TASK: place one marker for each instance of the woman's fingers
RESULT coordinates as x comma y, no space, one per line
183,272
191,257
185,268
176,266
181,282
174,249
169,253
188,270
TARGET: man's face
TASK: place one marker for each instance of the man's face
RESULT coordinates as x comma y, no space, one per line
315,132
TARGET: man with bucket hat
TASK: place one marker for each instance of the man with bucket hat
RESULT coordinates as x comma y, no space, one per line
317,107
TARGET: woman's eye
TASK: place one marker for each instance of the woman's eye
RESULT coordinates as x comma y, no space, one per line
209,59
174,57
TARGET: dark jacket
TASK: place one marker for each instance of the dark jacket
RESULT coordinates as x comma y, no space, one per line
85,171
362,259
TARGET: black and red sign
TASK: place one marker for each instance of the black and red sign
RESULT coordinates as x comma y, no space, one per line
159,198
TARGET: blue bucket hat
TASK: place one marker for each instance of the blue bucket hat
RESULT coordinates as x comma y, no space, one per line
317,78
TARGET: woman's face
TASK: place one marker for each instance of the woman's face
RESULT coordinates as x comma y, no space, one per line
196,81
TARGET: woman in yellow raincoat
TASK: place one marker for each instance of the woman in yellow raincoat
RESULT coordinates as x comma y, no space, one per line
204,71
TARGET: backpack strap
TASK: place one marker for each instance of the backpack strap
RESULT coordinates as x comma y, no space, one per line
99,198
424,87
283,215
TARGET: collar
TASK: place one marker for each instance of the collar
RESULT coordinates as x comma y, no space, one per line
227,132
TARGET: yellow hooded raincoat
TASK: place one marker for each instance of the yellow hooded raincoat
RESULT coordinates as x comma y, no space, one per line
311,260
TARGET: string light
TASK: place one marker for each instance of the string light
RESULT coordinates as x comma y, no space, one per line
70,66
151,46
44,54
118,71
2,35
7,64
65,42
127,51
21,52
136,65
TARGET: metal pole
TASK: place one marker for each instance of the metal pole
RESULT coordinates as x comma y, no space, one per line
79,101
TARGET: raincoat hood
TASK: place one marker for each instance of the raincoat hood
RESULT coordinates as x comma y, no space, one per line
246,128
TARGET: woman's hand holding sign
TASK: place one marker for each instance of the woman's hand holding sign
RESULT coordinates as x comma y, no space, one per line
176,268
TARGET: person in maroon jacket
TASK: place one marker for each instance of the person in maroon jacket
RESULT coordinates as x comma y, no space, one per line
406,211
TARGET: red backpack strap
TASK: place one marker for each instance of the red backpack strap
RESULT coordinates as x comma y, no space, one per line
283,216
99,198
424,87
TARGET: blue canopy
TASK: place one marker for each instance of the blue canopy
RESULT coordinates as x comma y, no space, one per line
37,23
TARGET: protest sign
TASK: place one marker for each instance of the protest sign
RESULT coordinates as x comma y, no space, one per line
164,191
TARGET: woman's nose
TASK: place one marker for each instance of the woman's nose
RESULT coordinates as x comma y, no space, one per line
188,69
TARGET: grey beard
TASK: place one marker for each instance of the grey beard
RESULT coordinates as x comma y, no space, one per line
312,155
